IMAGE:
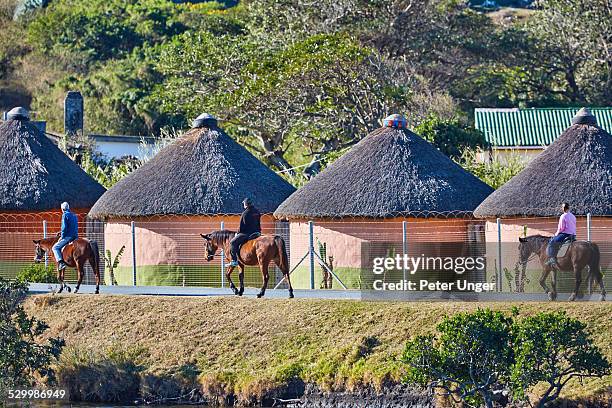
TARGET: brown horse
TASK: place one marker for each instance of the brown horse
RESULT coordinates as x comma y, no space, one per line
259,251
75,255
579,255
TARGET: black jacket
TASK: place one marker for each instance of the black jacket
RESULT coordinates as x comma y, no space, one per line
249,221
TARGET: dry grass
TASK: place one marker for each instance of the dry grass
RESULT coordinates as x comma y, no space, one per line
247,347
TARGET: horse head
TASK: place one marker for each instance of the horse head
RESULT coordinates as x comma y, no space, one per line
40,252
530,245
209,247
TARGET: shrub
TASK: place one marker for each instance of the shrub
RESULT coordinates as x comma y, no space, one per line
468,360
553,348
38,273
22,359
485,356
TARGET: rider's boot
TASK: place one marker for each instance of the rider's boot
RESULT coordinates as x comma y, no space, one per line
552,261
233,263
61,265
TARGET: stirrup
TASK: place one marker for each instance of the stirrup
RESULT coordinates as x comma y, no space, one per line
551,261
61,265
234,263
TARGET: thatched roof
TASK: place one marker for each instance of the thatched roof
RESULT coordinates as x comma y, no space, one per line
36,176
204,172
576,168
391,172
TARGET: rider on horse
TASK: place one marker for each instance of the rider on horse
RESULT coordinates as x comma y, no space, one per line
249,224
566,231
69,232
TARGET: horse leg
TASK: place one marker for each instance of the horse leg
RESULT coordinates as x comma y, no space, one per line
578,273
599,278
286,275
97,275
228,275
553,280
79,268
241,277
93,262
60,279
265,275
64,281
545,273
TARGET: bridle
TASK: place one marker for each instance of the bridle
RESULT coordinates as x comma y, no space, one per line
534,253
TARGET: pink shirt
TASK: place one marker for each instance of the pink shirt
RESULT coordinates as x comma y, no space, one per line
567,223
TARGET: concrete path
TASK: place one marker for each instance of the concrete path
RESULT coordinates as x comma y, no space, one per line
314,294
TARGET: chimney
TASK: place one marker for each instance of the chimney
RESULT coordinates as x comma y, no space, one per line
73,113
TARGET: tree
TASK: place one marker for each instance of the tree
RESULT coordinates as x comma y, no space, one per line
450,136
322,93
553,348
470,358
486,355
21,356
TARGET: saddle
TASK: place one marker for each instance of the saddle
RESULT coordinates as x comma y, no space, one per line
564,247
250,237
67,252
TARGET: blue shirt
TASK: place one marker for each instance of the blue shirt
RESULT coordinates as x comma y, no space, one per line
70,226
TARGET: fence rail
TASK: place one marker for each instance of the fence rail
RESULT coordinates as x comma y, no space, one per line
323,254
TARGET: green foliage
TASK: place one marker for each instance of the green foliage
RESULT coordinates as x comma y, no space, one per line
99,30
112,263
450,136
469,358
107,173
38,273
22,358
553,348
495,172
479,352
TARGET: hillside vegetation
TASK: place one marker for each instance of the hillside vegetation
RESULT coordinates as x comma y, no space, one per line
248,347
293,82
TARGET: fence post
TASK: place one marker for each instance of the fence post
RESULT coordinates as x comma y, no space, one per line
134,252
404,246
589,227
312,255
222,260
499,256
45,236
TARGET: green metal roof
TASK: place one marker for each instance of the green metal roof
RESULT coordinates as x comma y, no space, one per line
531,127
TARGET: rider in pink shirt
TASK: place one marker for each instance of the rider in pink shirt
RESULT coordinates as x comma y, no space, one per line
565,231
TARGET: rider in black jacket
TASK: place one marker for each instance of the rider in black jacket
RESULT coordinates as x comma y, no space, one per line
249,224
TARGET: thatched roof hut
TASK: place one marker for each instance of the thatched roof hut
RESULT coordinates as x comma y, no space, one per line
35,175
204,172
576,168
391,172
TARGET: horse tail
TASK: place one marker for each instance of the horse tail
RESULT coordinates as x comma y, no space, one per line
594,267
282,254
96,255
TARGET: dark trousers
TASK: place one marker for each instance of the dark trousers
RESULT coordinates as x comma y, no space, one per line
555,243
235,243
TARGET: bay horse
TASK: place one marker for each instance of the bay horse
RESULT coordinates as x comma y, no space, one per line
579,255
258,251
75,255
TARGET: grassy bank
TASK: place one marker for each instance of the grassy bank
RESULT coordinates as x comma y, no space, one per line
247,347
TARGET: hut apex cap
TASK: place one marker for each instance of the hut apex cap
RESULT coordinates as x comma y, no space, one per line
18,113
204,120
584,117
395,121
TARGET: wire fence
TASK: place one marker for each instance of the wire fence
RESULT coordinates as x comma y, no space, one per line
339,253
